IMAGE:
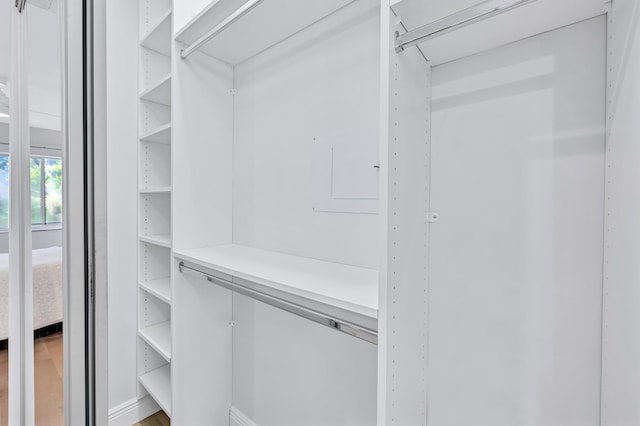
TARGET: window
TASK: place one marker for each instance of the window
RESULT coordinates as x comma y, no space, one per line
46,191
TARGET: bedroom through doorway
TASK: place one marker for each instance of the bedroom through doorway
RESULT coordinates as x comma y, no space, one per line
36,41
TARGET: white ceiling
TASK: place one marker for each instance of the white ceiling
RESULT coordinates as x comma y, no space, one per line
525,21
44,61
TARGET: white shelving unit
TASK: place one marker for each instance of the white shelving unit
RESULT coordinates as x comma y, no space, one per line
160,92
161,134
158,36
156,190
160,288
249,109
159,338
158,240
154,207
305,166
235,43
158,383
347,291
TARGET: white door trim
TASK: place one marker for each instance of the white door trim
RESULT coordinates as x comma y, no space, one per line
21,376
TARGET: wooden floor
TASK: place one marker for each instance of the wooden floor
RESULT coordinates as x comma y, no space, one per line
158,419
48,381
49,385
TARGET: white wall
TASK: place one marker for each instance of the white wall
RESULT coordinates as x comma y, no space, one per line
621,334
122,88
289,371
322,83
40,239
517,178
316,91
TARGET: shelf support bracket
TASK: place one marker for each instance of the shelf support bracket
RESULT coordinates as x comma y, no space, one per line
239,13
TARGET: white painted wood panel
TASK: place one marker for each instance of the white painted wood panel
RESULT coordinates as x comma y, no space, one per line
160,288
403,318
159,92
621,332
153,14
516,257
122,197
161,240
158,336
155,216
161,134
158,35
309,281
249,35
158,384
201,155
155,166
156,66
202,352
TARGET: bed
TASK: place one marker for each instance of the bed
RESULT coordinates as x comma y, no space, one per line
47,289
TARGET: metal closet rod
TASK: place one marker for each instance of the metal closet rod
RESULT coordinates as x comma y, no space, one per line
304,312
239,13
456,21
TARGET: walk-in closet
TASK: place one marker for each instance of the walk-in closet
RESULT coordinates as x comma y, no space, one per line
364,212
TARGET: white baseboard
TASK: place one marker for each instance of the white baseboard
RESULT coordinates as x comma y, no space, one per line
132,411
238,418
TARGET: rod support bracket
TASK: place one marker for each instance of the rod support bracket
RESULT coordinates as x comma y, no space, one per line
399,47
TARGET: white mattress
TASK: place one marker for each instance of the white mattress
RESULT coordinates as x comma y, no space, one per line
47,289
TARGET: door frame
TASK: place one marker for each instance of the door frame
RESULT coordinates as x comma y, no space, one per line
84,188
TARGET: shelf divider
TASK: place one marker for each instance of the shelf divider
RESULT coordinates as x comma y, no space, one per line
158,383
161,134
158,336
159,240
160,288
159,37
160,92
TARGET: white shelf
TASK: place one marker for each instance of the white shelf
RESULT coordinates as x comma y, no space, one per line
159,240
160,92
161,134
158,383
159,338
240,41
526,21
160,288
159,37
312,283
158,190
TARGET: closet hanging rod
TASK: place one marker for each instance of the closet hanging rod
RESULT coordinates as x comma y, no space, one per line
458,20
229,20
304,312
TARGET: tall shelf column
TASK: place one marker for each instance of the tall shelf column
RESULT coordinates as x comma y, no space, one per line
154,205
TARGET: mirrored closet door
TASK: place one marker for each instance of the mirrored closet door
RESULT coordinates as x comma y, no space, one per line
31,206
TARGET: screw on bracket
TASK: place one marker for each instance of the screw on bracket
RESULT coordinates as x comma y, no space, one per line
432,217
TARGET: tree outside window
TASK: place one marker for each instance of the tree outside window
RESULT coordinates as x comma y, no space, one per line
46,191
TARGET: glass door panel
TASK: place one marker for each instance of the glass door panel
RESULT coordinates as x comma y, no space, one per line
45,173
5,69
